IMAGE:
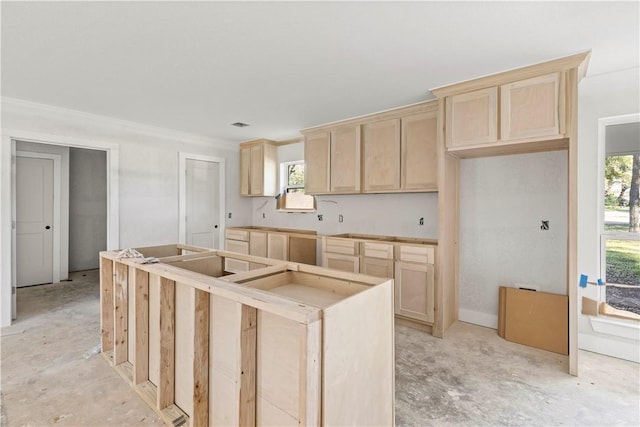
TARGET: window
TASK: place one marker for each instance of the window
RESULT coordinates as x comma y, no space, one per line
292,197
294,177
620,242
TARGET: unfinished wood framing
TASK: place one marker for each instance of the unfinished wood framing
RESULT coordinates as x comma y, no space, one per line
106,304
141,333
264,347
166,383
121,309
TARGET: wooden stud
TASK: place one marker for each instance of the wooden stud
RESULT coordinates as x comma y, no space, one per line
166,385
200,415
248,346
141,355
106,304
121,305
572,223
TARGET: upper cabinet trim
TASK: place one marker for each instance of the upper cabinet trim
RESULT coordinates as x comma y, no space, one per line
431,105
579,61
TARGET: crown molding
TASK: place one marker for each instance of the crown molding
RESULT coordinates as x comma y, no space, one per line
15,104
579,61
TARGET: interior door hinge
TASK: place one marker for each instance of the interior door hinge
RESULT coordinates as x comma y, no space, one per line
13,225
13,290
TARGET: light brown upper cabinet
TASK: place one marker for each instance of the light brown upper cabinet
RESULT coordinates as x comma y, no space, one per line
472,118
399,153
332,161
419,162
317,148
530,108
381,156
345,159
258,168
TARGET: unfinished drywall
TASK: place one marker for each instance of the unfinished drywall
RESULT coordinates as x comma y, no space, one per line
503,201
87,207
601,97
388,214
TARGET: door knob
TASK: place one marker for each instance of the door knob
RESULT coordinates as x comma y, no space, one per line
47,227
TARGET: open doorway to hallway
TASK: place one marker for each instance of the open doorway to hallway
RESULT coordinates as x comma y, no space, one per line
60,211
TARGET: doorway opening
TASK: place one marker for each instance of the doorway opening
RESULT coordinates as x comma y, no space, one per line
61,201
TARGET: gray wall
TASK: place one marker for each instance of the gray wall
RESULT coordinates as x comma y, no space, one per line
87,207
502,202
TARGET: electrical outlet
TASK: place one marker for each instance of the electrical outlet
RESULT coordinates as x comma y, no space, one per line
340,218
320,217
545,225
263,215
229,215
421,221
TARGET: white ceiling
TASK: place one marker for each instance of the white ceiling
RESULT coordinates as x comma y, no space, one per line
200,66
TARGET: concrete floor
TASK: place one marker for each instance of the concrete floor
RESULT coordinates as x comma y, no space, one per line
51,374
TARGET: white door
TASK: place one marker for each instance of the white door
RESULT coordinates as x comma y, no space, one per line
34,220
202,203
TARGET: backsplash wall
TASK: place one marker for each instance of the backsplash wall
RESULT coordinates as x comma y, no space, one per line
386,214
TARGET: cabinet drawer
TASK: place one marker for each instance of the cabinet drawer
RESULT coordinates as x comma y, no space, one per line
347,263
421,254
234,234
378,250
341,246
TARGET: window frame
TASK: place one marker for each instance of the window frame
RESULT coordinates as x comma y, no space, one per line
604,235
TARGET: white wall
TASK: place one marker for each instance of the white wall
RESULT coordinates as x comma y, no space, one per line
87,207
146,169
502,203
387,214
63,152
605,95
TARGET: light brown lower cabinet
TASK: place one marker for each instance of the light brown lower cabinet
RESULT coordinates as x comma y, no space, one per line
349,263
414,291
257,247
376,267
236,265
278,246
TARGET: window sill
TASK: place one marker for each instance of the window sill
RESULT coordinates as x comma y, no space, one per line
621,328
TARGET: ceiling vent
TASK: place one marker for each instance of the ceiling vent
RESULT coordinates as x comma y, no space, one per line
240,124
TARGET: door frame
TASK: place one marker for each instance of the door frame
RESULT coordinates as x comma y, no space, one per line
8,258
57,191
182,196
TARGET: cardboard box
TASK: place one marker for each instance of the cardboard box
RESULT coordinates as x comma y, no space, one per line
536,319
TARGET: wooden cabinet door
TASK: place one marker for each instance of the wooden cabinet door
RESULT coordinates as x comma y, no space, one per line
345,160
381,154
233,265
414,291
419,167
530,108
256,173
245,170
472,118
316,163
257,247
376,267
350,263
278,246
